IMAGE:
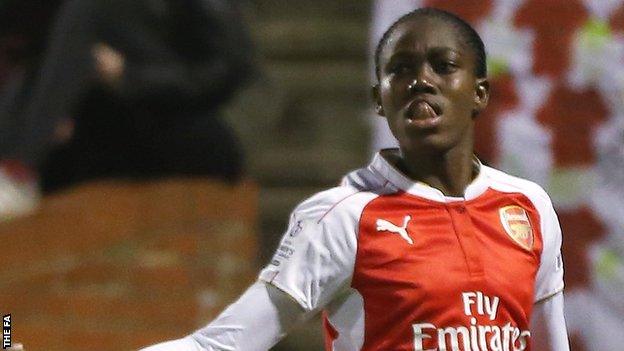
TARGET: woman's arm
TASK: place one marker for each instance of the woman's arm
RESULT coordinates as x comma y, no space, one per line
313,264
548,328
256,322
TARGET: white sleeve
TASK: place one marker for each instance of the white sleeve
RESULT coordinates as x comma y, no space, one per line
184,344
315,259
548,328
549,280
256,322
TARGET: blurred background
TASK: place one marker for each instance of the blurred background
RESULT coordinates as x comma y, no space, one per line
151,151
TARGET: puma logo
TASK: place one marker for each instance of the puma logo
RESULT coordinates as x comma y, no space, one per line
383,225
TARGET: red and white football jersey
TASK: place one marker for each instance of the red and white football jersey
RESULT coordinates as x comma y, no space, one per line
397,265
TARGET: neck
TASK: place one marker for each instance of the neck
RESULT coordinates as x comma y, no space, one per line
450,172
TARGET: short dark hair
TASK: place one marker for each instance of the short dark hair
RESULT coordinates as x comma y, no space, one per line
471,36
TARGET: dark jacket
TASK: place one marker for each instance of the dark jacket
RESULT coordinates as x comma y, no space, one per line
183,60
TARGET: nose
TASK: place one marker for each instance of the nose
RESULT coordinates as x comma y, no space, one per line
422,83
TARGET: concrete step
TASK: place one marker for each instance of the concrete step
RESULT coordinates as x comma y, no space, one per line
312,38
304,167
277,203
320,77
354,9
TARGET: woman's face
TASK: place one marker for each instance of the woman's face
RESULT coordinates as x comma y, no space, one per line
427,87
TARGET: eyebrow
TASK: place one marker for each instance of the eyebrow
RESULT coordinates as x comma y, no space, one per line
434,50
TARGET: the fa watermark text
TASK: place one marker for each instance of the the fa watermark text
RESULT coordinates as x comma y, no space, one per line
6,331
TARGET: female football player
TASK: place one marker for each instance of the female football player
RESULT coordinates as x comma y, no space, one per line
424,249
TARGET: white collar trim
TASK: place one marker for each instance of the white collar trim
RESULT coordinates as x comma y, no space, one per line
384,168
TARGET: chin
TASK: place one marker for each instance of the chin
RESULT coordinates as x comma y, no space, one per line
428,144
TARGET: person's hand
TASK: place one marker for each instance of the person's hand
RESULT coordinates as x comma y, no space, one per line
63,131
109,64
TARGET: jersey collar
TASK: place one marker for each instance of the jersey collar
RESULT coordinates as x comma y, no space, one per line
383,166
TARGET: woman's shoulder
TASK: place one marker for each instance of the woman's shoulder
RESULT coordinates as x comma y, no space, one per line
337,201
506,182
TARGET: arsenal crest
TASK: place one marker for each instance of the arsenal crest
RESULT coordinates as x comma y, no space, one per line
517,225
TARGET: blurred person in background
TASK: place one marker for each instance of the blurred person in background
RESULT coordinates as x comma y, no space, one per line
133,89
424,249
21,49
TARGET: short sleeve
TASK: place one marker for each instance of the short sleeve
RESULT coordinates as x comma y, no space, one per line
549,279
315,258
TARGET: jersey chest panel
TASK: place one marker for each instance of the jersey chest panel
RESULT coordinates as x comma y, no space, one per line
447,276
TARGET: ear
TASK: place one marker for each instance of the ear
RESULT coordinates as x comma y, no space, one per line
482,95
377,99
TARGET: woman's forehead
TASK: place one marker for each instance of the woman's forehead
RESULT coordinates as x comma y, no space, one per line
423,33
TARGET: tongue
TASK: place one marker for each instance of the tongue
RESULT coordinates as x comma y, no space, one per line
421,110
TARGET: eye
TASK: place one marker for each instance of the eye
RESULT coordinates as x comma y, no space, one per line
445,66
400,68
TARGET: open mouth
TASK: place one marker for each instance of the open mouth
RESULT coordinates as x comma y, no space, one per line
422,111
